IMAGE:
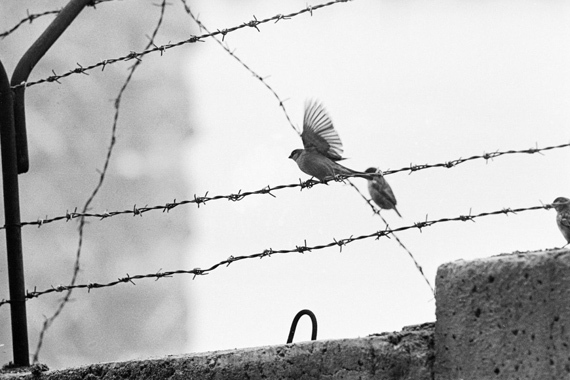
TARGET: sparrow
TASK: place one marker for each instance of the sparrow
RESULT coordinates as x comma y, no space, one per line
562,207
322,146
381,192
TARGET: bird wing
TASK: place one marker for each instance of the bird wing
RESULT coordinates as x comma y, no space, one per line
319,132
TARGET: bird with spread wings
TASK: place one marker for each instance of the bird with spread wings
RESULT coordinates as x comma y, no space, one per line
322,147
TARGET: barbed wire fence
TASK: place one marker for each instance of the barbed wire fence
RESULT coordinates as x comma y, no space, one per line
85,212
84,70
375,210
302,248
255,23
267,190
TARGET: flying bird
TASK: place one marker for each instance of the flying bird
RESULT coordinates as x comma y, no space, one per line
562,207
381,192
322,146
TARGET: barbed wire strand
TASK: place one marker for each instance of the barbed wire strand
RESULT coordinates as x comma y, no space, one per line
117,105
268,190
486,156
32,16
268,252
232,54
386,224
193,39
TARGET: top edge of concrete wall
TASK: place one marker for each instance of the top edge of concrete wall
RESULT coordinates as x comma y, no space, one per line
399,355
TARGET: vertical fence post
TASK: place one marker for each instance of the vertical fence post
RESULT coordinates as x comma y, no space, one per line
12,221
13,142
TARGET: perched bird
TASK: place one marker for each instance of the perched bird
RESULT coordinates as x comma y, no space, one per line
322,146
381,192
562,207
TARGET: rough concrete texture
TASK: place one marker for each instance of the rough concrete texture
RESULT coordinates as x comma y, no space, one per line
504,317
402,355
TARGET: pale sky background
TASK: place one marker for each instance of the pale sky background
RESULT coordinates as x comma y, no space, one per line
404,82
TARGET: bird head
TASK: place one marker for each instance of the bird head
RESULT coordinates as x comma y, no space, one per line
295,154
561,203
376,173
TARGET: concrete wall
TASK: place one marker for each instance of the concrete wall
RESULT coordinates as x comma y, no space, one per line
503,317
403,355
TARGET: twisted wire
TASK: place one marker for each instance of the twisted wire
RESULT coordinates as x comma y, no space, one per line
268,190
270,251
376,211
32,16
76,267
485,156
255,23
233,55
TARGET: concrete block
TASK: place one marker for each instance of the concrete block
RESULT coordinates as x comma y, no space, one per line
404,355
504,317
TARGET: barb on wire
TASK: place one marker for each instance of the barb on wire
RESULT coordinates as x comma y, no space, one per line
198,200
193,39
377,212
117,104
235,197
485,156
32,16
270,251
231,53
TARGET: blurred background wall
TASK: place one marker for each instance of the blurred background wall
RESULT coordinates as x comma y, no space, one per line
69,131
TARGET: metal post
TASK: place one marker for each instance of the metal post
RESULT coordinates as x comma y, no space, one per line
12,220
25,67
14,146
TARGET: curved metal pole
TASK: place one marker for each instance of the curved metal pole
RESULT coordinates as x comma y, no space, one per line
15,160
296,320
25,67
13,227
